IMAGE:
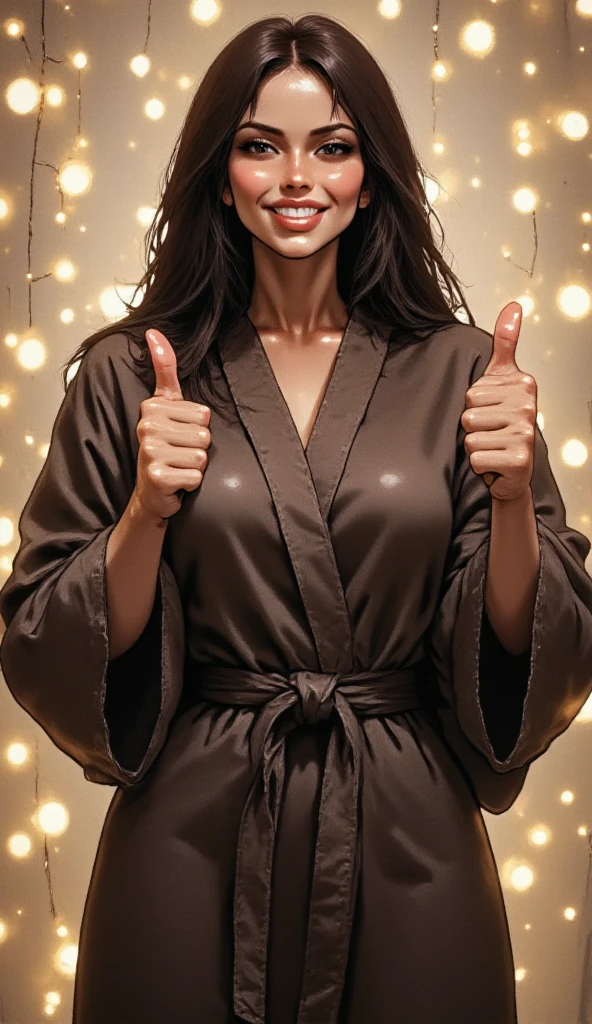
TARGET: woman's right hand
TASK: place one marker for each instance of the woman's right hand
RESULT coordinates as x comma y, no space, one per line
173,436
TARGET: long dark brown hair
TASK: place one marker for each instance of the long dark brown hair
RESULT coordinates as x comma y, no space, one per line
198,255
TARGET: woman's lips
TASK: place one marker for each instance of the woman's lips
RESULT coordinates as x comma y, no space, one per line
296,223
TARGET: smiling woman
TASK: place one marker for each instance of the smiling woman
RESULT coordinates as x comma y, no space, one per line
291,677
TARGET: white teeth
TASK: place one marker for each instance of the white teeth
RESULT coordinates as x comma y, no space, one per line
291,211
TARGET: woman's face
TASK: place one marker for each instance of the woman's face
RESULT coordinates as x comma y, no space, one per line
267,167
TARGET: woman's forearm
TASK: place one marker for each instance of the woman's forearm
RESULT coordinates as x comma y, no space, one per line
134,549
512,572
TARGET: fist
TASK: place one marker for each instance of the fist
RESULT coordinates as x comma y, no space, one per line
173,435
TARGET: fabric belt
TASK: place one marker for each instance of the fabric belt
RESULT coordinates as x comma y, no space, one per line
310,697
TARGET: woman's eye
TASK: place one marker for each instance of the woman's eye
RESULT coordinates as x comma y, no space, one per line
343,146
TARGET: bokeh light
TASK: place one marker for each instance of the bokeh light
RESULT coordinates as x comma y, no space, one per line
75,178
23,95
154,109
140,65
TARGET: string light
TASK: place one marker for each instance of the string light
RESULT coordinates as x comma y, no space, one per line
14,28
5,208
23,95
205,11
75,177
154,109
478,38
140,65
80,60
64,270
54,95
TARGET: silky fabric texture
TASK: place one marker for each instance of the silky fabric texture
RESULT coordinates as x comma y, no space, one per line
363,554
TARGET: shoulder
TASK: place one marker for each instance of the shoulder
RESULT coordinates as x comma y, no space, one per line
113,360
467,341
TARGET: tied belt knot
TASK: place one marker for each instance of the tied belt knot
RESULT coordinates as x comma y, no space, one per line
304,697
316,699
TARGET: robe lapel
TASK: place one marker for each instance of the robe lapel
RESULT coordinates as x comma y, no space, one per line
303,483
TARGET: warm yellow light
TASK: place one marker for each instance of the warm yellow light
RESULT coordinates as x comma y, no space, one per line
440,71
145,215
574,453
184,82
53,818
438,147
389,8
567,797
67,316
14,28
140,65
75,178
55,95
520,973
584,7
60,217
64,270
530,68
586,217
205,11
524,200
31,354
539,835
80,60
574,125
524,149
81,142
6,531
11,340
154,109
574,301
569,914
431,188
66,958
527,303
478,38
4,208
19,844
23,95
112,300
17,754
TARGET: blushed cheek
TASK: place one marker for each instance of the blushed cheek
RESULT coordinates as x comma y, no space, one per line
347,183
249,180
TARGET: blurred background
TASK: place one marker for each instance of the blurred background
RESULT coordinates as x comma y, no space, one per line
497,97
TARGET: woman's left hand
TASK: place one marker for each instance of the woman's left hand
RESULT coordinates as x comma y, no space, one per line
500,415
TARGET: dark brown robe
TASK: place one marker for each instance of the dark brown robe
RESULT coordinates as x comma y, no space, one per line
304,736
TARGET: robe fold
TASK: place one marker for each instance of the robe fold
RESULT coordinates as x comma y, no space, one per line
304,736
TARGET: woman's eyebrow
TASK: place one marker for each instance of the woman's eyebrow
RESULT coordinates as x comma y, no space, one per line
277,131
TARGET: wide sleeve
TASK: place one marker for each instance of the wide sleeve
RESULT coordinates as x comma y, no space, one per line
111,717
502,711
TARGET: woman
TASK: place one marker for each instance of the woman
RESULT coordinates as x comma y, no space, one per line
303,703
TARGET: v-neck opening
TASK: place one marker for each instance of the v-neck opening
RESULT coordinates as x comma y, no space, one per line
280,393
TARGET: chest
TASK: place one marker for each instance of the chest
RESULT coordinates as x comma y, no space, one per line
302,374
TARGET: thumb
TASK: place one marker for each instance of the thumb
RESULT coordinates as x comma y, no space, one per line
505,339
164,361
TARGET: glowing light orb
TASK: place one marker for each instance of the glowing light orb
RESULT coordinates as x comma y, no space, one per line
574,125
524,200
64,270
145,215
184,82
17,754
204,11
585,714
53,818
6,531
574,301
569,914
31,354
478,38
584,7
65,959
154,109
540,835
530,68
75,177
60,217
112,300
11,339
140,65
23,95
574,453
55,95
5,208
567,797
80,60
14,28
389,8
440,71
19,844
432,189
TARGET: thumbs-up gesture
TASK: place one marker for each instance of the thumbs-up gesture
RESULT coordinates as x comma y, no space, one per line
500,415
173,436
